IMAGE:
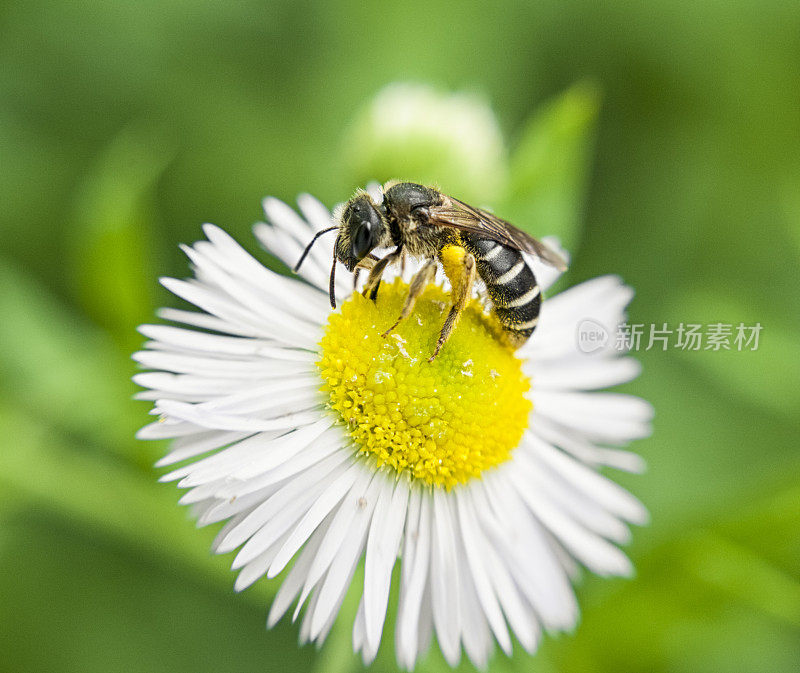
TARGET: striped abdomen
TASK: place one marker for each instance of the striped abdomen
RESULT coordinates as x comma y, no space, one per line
511,285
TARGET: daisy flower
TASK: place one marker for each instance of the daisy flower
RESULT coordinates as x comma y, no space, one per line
321,444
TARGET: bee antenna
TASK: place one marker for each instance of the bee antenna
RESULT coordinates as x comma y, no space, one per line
308,247
332,286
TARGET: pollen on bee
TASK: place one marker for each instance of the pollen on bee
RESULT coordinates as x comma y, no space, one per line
442,422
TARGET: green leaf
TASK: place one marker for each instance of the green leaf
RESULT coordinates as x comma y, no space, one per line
791,206
66,373
76,602
550,165
766,375
111,246
115,500
745,576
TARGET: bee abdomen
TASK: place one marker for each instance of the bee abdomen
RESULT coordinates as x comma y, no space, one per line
511,285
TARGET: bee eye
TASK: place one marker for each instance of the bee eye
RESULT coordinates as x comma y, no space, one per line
362,241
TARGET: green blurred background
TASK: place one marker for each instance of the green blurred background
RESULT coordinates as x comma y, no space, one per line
660,139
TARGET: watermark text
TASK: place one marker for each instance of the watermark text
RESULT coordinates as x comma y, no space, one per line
593,336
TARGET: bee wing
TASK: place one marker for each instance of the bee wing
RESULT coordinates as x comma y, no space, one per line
457,214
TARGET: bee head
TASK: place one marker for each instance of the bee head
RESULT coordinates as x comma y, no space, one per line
362,228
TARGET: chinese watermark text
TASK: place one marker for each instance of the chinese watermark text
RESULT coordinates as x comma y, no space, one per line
593,336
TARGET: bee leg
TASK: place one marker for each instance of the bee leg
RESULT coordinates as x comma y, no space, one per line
418,283
375,273
462,291
367,263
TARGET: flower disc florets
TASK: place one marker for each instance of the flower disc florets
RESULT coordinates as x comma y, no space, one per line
443,422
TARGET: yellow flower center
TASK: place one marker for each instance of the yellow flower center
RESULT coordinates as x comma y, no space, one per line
442,422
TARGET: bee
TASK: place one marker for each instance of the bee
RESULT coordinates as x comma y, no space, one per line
426,224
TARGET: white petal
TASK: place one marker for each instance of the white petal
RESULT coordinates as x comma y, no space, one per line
475,635
285,218
472,540
601,301
528,553
270,324
607,493
445,582
290,234
200,493
222,345
219,305
252,456
296,394
297,298
328,444
340,573
586,372
198,444
167,428
315,212
256,568
187,412
604,417
286,519
305,626
293,582
520,615
216,466
225,508
269,293
205,321
221,369
550,491
289,251
382,546
359,631
341,523
328,500
425,626
590,549
312,480
580,447
234,521
414,576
